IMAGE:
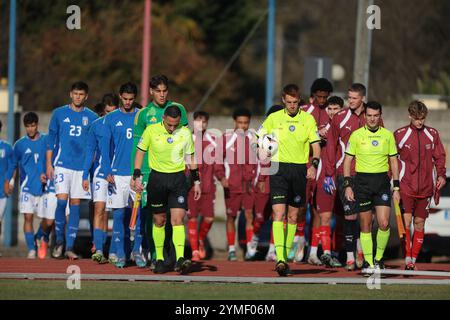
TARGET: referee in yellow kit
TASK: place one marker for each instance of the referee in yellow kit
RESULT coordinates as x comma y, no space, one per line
168,144
374,149
295,132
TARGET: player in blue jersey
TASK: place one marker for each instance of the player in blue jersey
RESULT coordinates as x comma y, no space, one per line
68,130
29,158
46,211
6,159
118,131
94,163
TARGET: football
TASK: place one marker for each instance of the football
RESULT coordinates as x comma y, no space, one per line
269,144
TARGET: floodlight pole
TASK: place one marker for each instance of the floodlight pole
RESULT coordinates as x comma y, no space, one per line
146,51
8,236
270,53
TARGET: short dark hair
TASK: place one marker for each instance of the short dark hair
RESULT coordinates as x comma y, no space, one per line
110,99
137,105
198,114
321,84
172,111
30,117
274,108
336,100
241,112
374,106
155,81
358,87
291,90
99,108
80,85
128,87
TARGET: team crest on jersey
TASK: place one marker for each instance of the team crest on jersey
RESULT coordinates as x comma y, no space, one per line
85,121
170,140
153,119
374,143
428,146
2,153
291,128
151,112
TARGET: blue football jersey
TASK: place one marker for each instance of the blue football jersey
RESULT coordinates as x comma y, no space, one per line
6,163
93,159
68,130
50,186
29,157
119,133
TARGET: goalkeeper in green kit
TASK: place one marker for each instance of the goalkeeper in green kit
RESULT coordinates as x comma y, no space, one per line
151,114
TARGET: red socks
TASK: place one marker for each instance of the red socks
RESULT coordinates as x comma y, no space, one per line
417,243
300,229
204,229
231,236
315,237
407,242
193,234
249,234
325,236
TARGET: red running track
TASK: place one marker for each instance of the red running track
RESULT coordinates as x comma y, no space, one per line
204,268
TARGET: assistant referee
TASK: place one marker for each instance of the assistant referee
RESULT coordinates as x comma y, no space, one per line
374,150
295,131
168,145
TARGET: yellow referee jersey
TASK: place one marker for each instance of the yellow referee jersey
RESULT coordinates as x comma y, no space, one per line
166,150
371,149
294,135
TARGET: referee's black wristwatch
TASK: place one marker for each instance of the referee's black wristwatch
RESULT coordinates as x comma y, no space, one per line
315,162
137,174
348,182
396,185
195,176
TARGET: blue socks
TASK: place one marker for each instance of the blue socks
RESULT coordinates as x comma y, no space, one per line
126,224
39,233
105,237
98,239
42,234
119,232
72,228
29,238
60,220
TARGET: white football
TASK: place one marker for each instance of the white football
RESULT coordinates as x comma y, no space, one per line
269,144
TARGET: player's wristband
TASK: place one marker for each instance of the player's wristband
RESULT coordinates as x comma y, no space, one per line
195,176
348,182
315,162
137,173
